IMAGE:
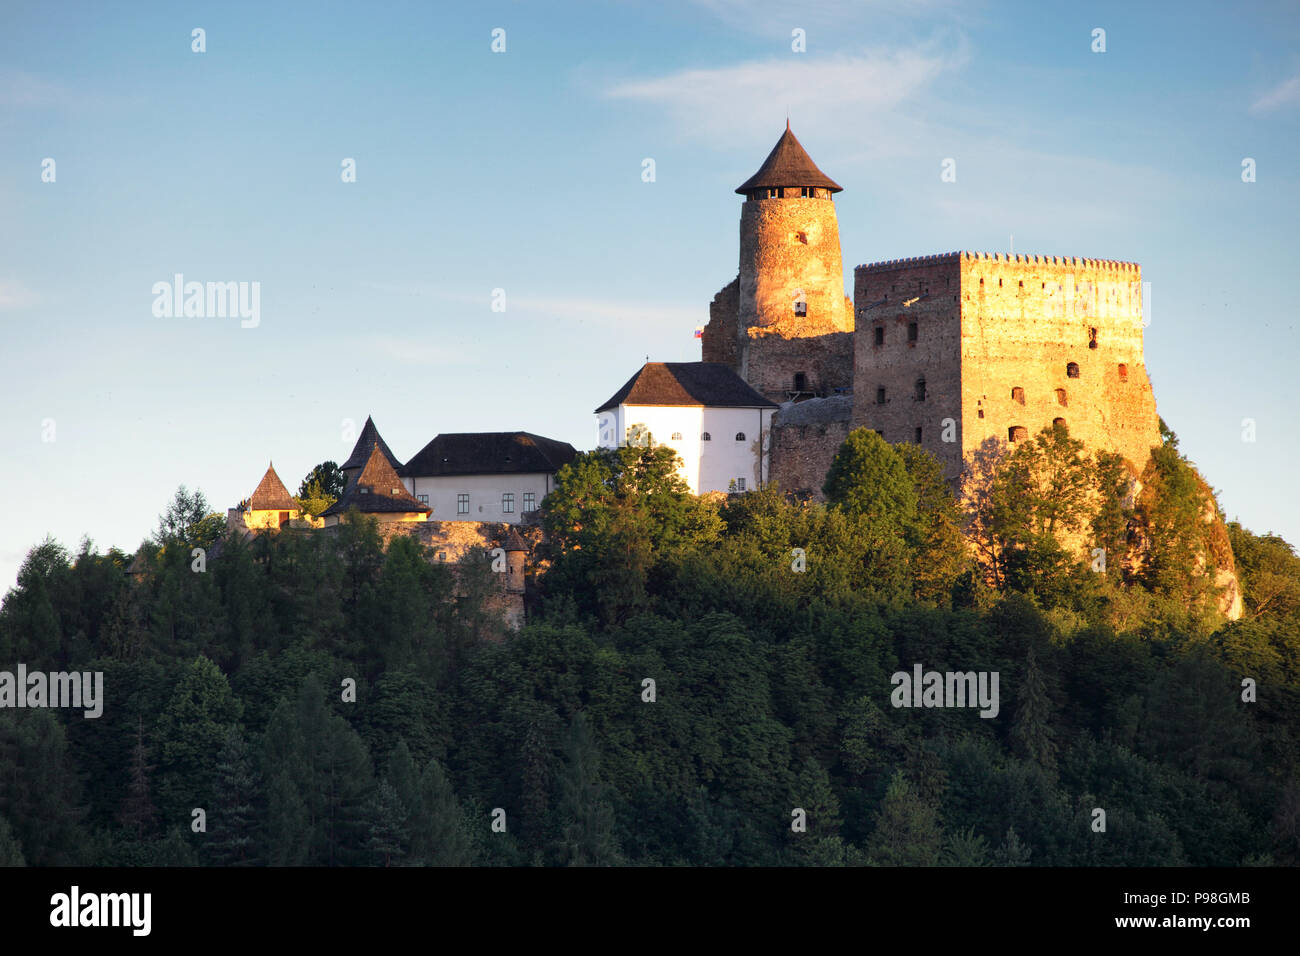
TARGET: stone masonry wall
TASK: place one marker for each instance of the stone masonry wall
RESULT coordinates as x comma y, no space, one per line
889,299
805,437
720,341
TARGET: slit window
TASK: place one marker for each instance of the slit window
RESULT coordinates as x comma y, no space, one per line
911,331
880,335
1092,338
918,434
1123,372
920,389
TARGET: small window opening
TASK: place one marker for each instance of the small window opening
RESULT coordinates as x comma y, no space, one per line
800,307
1092,338
1072,370
880,395
1123,372
911,331
1018,395
706,437
1017,433
800,382
880,335
918,434
1061,398
740,436
920,389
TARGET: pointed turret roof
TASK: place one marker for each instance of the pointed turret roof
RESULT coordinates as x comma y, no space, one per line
377,490
365,442
271,494
514,541
788,165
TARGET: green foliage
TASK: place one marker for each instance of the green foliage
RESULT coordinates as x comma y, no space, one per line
769,629
188,521
321,487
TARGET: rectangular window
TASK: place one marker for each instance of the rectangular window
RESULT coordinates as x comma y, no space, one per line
880,395
911,331
740,484
507,503
880,335
423,499
530,501
462,504
918,434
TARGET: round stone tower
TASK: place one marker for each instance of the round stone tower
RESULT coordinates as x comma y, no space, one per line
784,324
791,274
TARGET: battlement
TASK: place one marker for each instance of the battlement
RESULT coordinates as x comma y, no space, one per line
1004,258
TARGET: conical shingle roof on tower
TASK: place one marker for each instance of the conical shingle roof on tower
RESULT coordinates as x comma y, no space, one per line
788,165
377,490
271,494
365,442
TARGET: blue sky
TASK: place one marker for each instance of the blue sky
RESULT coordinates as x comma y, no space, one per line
522,171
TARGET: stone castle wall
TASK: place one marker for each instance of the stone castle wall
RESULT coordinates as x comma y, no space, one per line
1028,322
805,437
720,341
889,355
995,341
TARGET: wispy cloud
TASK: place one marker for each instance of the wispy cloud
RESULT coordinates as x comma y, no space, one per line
1286,93
15,295
741,99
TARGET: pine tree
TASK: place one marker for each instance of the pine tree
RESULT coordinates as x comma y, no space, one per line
585,811
1031,732
138,812
820,844
389,835
440,831
1012,852
231,819
966,848
907,828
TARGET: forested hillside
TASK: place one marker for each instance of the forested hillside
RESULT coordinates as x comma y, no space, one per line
693,672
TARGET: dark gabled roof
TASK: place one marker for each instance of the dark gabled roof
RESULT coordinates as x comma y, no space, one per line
687,383
385,492
361,450
514,541
788,165
489,453
271,494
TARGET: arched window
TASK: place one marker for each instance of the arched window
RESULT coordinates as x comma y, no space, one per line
677,436
1072,370
1017,433
706,437
740,436
1018,395
1058,422
1123,372
920,389
1061,398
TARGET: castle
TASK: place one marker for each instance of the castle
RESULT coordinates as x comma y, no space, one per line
959,352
